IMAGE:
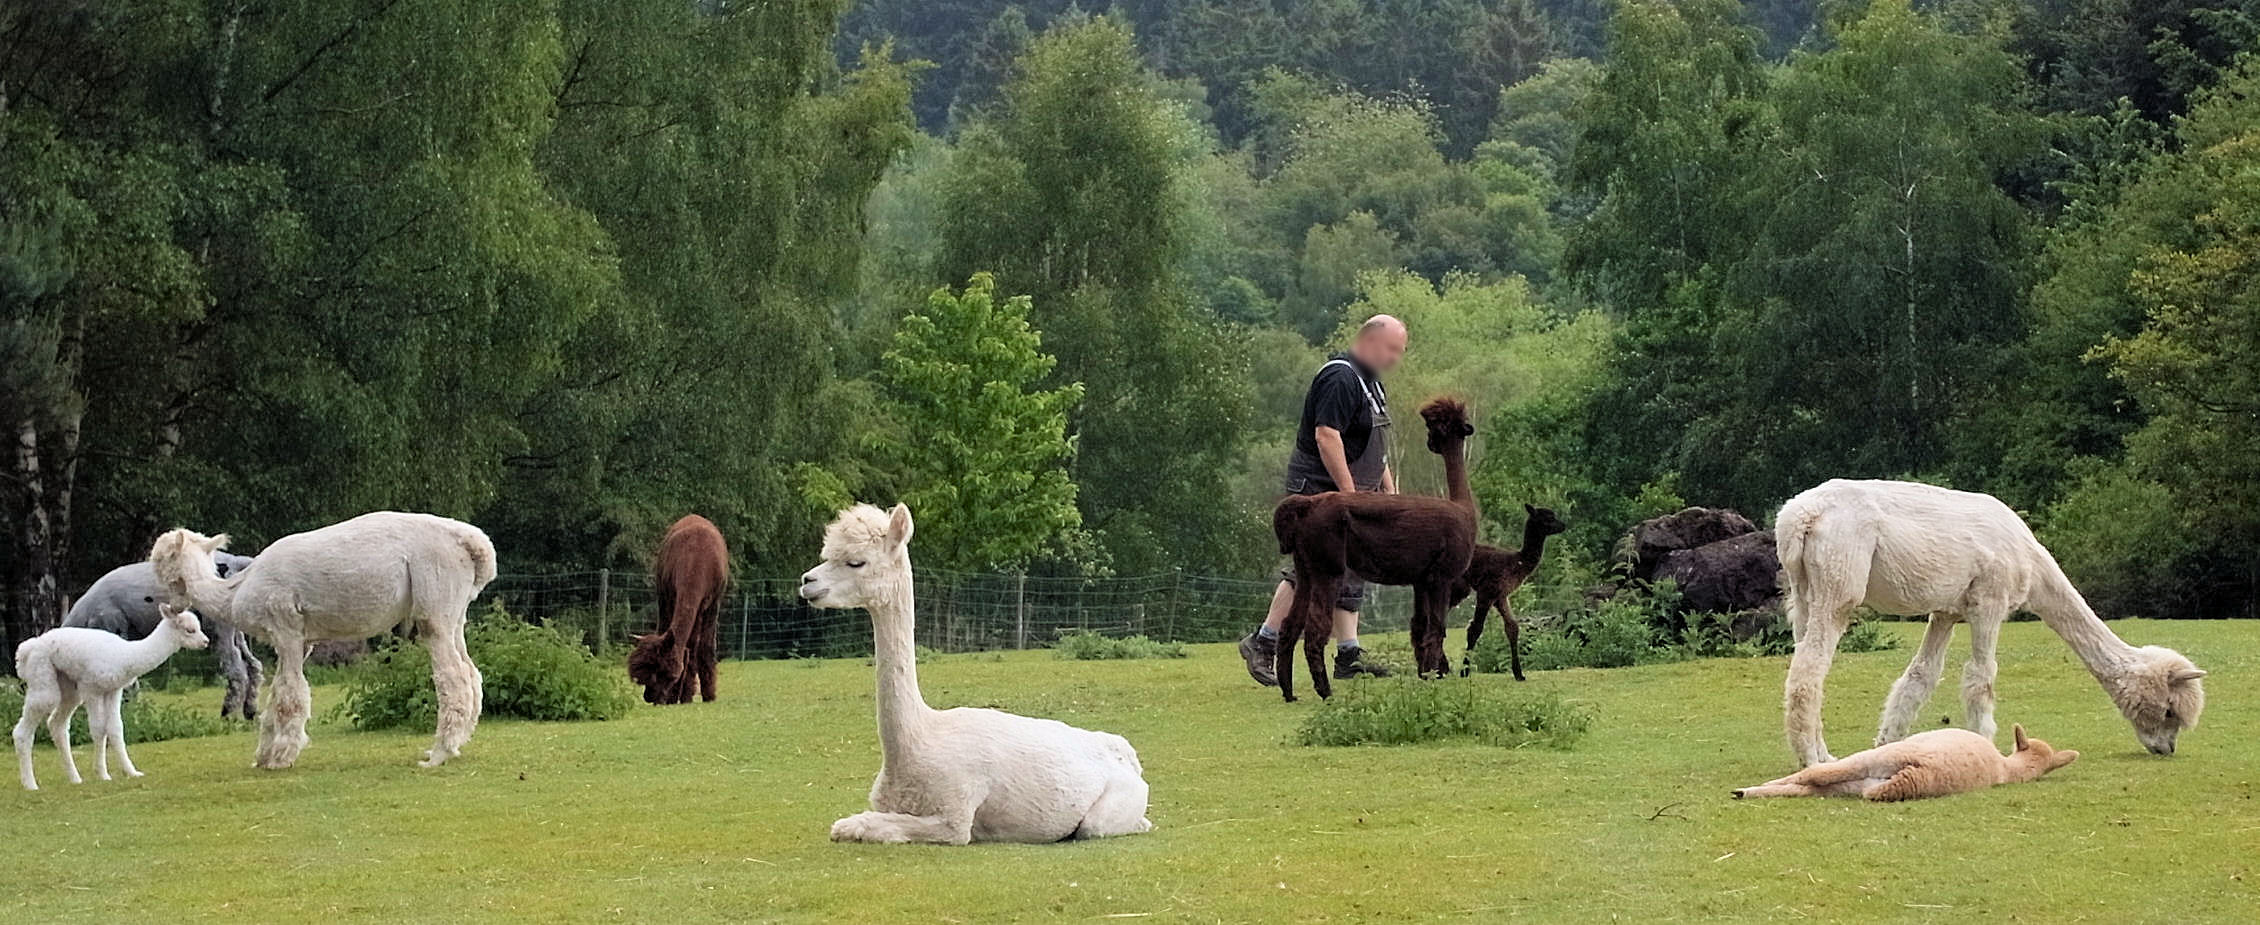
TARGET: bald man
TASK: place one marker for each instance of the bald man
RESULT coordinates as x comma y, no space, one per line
1342,444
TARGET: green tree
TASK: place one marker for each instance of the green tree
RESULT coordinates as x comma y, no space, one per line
975,445
1071,190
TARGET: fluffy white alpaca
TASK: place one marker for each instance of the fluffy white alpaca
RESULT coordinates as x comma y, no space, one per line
1941,762
66,665
1957,556
349,580
963,775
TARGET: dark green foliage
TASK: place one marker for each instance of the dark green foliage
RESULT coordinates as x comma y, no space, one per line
1087,646
532,672
1407,711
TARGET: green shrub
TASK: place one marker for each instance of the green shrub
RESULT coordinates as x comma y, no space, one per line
532,672
145,720
1615,633
1403,711
1089,646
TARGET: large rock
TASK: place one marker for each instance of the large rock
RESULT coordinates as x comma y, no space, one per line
1731,575
1644,547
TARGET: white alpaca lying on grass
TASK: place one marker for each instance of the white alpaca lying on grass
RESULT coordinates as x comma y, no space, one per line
67,665
963,775
1941,762
1958,557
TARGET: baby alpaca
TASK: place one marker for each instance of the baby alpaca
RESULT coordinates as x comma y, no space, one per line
67,665
1941,762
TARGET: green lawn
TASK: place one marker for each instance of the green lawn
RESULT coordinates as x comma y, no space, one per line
718,812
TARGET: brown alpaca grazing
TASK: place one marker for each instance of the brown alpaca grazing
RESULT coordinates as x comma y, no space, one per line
690,573
1414,540
1494,573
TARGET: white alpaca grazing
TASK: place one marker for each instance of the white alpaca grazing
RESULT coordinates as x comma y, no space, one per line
64,666
349,580
957,776
1941,762
1956,556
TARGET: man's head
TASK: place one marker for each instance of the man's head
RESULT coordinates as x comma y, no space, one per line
1380,343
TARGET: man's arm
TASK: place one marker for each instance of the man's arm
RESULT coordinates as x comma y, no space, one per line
1337,462
1388,478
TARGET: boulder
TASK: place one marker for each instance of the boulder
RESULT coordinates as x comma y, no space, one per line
1735,574
1644,547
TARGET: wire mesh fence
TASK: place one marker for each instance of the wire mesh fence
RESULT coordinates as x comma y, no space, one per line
957,611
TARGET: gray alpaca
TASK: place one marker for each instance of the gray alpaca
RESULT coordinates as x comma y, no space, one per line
124,602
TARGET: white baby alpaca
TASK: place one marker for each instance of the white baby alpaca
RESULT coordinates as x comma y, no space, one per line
67,665
963,775
1938,763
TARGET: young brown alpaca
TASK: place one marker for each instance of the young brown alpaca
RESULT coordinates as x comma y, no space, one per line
1423,542
691,572
1494,573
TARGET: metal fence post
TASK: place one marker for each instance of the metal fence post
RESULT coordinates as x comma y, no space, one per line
1176,583
603,608
1020,610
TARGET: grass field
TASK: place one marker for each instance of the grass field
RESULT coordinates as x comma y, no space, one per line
718,812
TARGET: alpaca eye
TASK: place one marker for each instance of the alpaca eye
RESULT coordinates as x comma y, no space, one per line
855,565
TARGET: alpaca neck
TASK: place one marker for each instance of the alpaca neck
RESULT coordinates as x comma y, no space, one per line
145,654
1455,476
894,649
212,598
1533,543
2060,605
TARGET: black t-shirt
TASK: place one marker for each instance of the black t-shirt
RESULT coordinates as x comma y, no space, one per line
1337,399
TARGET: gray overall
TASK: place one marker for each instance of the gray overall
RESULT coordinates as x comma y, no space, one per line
1306,476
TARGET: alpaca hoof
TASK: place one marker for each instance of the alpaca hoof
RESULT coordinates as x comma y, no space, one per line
134,774
1466,669
1290,698
1738,794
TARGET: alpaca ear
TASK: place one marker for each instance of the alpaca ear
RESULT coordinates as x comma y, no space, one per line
1467,429
215,543
898,525
2022,742
1527,509
164,611
2188,674
2062,758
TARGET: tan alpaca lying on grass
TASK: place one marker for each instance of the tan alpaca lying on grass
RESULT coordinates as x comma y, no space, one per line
1941,762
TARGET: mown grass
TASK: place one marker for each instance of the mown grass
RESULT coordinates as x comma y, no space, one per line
718,812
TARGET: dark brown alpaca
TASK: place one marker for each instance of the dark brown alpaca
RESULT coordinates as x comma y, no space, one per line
690,573
1411,540
1494,573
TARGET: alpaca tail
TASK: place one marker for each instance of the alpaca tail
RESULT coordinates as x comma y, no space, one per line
1287,520
1793,530
35,666
481,552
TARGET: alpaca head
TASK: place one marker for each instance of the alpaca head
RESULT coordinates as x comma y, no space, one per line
182,552
1544,521
866,558
1447,424
648,665
184,622
2034,757
2161,693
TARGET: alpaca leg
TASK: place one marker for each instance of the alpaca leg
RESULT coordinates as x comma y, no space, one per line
1514,637
1119,810
282,732
39,703
1428,624
898,828
1475,623
59,729
118,736
703,656
230,659
1977,676
456,682
1833,778
1317,628
1912,782
98,709
1290,630
1801,695
1913,688
253,675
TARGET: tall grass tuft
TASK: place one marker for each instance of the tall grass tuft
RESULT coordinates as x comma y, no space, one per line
1405,711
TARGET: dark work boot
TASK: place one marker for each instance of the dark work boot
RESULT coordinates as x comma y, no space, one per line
1349,664
1262,653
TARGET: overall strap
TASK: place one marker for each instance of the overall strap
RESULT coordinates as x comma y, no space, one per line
1371,400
